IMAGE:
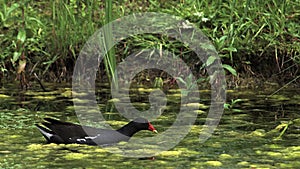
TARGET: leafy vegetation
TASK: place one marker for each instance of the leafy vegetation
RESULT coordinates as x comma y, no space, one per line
252,37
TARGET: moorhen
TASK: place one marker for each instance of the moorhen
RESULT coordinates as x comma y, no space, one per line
67,133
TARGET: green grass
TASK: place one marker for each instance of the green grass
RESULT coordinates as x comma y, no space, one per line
252,37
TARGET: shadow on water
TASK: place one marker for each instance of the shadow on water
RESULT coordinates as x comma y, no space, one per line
253,133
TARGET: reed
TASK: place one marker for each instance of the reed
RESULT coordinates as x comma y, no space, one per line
110,57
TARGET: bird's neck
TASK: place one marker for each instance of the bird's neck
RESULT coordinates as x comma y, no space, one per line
128,130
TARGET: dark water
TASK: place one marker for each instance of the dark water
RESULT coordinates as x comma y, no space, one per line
254,133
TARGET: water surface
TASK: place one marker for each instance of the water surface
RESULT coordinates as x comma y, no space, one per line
254,133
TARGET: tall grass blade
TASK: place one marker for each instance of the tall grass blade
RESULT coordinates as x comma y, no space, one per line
110,57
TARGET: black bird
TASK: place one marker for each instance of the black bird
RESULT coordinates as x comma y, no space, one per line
56,131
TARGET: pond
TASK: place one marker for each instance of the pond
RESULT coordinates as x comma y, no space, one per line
256,131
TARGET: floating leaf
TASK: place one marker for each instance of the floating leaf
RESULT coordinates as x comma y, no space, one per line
214,163
75,156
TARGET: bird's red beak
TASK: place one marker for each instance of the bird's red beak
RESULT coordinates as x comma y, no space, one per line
151,128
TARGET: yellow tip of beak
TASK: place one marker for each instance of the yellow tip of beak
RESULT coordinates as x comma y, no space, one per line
155,131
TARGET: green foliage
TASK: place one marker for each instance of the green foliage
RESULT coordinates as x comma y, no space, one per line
230,69
71,24
245,33
6,21
244,30
230,106
23,33
158,82
6,14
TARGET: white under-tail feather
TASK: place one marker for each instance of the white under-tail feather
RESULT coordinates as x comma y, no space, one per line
48,135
